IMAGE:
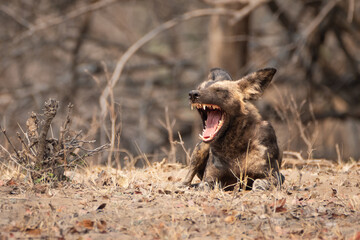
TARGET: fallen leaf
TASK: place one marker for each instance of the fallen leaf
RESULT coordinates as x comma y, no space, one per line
52,207
40,188
86,223
279,205
28,211
73,230
101,225
230,219
11,182
210,210
102,206
278,230
34,232
122,181
334,192
60,209
14,191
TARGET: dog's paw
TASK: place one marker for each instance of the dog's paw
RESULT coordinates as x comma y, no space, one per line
183,185
204,186
261,185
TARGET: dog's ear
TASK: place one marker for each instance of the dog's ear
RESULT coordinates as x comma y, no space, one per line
218,74
253,85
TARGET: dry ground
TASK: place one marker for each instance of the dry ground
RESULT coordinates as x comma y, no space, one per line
99,203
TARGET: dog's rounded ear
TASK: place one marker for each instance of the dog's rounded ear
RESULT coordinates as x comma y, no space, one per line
218,74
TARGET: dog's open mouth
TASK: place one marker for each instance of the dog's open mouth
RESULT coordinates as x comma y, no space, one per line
213,119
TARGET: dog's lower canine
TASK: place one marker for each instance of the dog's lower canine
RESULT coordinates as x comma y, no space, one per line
236,144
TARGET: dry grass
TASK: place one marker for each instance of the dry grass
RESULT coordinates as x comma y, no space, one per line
98,202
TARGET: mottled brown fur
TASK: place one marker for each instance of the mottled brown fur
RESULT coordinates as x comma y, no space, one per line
245,145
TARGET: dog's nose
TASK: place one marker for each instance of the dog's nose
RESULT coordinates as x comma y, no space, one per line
194,94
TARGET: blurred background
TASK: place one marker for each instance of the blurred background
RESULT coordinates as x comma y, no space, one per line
69,49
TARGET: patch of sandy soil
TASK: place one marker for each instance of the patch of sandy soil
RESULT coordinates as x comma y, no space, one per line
99,203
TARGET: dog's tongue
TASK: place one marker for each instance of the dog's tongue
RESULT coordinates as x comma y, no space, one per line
213,118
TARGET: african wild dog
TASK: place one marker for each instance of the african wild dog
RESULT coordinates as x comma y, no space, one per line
235,141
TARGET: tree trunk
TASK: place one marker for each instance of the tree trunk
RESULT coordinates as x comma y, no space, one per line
228,42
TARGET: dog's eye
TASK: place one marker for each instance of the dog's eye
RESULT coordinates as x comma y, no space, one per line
218,90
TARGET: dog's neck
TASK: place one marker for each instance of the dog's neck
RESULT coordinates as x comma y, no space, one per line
238,137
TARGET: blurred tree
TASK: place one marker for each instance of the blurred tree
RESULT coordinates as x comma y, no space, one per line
228,41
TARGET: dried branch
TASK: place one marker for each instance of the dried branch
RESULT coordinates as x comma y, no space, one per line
284,18
61,19
352,61
7,138
10,12
169,128
181,142
220,2
91,152
80,39
15,160
50,110
318,19
153,33
239,15
351,11
66,124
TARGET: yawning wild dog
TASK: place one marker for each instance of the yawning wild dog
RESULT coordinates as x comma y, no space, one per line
236,145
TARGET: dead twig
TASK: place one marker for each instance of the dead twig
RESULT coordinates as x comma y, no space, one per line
246,10
218,2
15,160
142,155
50,110
351,11
291,163
11,13
299,161
90,152
67,123
237,15
183,147
7,138
294,154
318,19
149,36
61,19
169,128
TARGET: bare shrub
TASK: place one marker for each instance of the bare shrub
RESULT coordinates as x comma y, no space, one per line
46,158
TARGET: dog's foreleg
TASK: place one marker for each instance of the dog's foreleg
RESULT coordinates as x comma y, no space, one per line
198,162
